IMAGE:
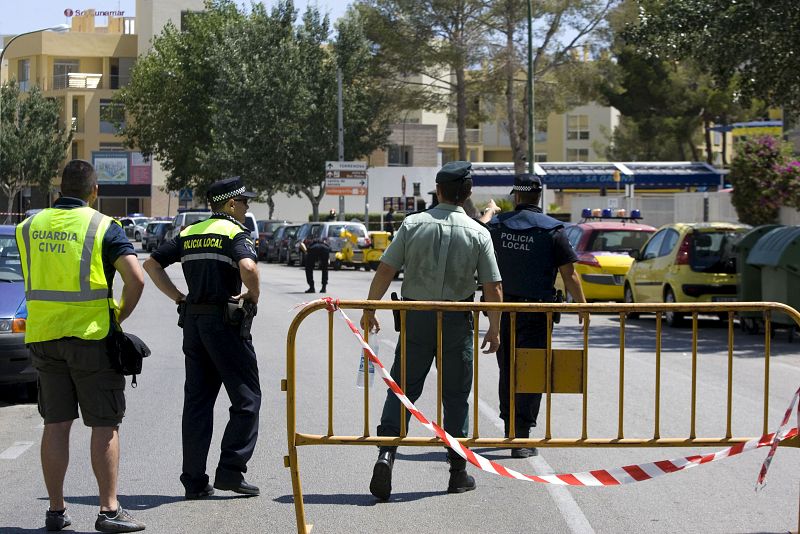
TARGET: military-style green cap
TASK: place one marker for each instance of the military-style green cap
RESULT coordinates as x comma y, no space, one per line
455,171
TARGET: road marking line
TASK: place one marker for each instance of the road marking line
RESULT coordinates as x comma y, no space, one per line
570,511
16,450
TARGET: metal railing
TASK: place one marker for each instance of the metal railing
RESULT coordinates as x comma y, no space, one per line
547,371
473,136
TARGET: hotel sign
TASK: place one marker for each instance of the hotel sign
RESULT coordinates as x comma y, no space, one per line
81,12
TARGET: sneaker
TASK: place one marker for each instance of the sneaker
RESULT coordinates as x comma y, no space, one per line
57,520
120,521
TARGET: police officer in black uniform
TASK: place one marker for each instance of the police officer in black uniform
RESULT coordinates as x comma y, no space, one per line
217,256
317,251
530,248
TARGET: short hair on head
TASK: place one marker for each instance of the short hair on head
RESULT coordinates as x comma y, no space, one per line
529,197
455,191
78,179
217,206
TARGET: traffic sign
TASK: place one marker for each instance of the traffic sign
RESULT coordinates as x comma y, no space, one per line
346,178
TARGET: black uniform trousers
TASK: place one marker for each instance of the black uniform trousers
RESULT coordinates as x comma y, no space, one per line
531,334
317,254
216,355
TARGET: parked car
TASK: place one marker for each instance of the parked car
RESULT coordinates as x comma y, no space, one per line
266,228
269,247
328,231
15,361
134,226
686,262
155,233
603,246
280,247
185,218
252,225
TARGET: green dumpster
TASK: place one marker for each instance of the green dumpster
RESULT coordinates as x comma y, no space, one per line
749,289
777,254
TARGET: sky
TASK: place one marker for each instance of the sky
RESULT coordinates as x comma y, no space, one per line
19,16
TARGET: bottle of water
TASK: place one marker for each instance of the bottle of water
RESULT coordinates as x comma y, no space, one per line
374,342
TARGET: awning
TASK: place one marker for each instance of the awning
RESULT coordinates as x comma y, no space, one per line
650,175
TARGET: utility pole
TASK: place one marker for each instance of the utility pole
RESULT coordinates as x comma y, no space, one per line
341,134
531,130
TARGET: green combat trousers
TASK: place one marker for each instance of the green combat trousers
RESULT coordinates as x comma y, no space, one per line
420,356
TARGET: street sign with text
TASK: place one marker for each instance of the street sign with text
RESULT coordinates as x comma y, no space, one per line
346,178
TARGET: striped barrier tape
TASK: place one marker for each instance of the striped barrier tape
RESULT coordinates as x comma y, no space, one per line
627,474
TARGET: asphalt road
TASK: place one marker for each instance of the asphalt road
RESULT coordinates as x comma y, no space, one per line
719,497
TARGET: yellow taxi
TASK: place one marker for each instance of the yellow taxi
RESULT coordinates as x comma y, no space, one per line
603,240
686,262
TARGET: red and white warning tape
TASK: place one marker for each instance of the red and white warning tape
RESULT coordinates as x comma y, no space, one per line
627,474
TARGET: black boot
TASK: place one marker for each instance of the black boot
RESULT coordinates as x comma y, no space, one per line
460,481
323,288
311,290
381,484
523,452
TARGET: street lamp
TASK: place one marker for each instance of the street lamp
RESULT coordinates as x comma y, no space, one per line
59,28
531,131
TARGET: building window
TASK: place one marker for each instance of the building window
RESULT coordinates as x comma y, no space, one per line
111,114
24,74
577,127
541,131
577,154
540,158
62,68
112,147
75,154
400,155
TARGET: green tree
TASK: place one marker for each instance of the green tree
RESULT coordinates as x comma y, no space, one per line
749,44
438,39
169,97
561,78
32,142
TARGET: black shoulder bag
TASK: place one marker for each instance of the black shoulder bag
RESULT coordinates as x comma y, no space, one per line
126,352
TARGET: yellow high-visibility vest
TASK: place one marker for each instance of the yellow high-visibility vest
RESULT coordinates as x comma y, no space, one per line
65,285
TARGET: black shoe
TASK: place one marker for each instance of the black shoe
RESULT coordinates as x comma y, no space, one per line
117,521
57,520
524,452
460,481
241,487
208,491
310,290
323,289
381,484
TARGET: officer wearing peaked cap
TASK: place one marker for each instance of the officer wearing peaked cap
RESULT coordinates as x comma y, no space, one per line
217,256
440,250
531,247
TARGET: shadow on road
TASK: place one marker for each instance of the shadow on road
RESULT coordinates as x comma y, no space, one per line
358,499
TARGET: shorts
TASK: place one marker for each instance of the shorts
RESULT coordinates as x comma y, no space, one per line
77,372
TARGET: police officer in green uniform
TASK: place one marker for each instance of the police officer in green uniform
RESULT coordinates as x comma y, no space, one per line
217,256
531,247
440,250
69,255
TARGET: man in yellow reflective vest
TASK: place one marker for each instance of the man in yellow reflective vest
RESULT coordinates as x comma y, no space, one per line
69,256
217,256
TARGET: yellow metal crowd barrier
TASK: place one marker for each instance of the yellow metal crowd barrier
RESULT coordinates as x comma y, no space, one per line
547,371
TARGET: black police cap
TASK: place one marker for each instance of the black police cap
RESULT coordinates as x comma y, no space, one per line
526,182
455,171
228,188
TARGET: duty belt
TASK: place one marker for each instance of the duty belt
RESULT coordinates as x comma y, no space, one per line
204,309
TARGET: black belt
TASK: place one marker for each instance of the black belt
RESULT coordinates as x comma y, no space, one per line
204,309
470,298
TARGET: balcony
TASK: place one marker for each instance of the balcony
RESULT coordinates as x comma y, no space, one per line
451,136
86,80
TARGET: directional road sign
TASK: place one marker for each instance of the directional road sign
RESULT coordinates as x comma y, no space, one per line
346,178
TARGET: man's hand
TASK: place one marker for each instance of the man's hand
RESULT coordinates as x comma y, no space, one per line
492,338
369,322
